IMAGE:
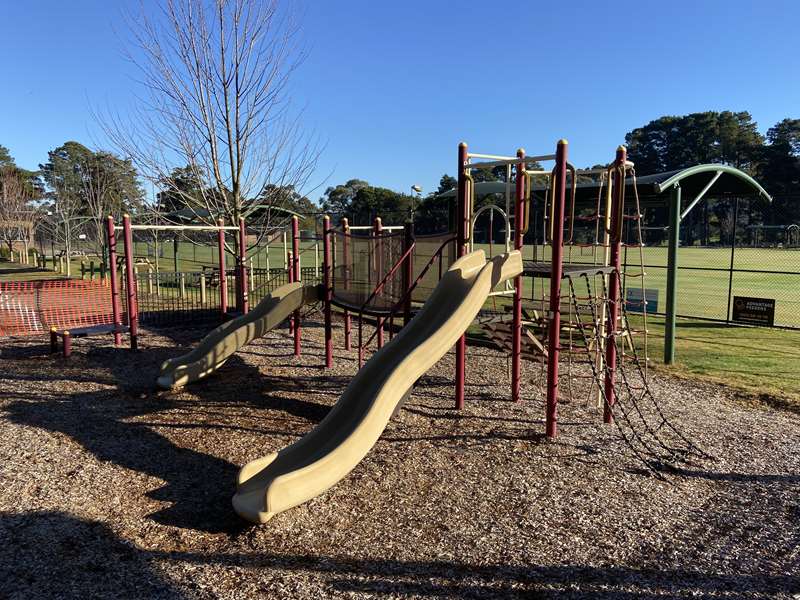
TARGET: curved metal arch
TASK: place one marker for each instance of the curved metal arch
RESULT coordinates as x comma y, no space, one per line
478,213
712,168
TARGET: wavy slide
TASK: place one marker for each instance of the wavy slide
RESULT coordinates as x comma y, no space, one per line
323,457
224,341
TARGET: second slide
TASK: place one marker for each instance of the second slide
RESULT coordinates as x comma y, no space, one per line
224,341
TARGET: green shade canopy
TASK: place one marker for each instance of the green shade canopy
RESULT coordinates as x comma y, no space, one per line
652,188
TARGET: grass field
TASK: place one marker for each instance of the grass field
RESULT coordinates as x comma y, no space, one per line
704,293
702,290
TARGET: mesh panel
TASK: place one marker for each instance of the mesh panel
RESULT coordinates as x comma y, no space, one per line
33,307
360,263
425,249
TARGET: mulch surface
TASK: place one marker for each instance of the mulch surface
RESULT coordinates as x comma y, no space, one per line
111,489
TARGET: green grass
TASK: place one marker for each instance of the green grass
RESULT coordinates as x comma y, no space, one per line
758,361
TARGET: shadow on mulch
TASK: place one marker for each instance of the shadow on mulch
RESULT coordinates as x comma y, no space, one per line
52,554
199,486
55,555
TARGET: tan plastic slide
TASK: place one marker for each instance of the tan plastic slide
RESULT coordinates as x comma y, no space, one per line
224,341
323,457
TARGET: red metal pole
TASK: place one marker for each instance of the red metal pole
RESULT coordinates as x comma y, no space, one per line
614,283
556,273
243,293
130,277
346,275
112,263
408,270
223,278
290,262
516,328
378,232
462,231
296,269
326,282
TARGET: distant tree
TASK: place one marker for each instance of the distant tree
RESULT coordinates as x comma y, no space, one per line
5,157
180,190
446,183
677,142
16,209
279,199
337,199
780,172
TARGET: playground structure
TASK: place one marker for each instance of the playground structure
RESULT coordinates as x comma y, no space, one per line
374,276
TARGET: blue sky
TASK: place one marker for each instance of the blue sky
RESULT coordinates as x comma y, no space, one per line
392,87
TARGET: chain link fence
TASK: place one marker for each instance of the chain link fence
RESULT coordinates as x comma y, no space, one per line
734,252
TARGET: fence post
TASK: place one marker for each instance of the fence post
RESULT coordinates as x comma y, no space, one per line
223,279
346,275
251,280
91,270
296,277
182,283
674,241
733,256
326,282
242,285
203,289
130,274
83,270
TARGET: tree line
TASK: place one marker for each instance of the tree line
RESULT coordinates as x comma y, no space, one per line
76,187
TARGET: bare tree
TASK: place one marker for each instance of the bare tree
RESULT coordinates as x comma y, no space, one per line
215,76
16,223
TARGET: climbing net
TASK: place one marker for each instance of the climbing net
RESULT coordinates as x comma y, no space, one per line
625,391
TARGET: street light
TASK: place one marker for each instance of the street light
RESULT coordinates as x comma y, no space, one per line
415,189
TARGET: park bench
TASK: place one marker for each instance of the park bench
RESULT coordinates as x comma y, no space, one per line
79,332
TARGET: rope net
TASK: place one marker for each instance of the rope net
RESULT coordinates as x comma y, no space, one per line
639,417
33,307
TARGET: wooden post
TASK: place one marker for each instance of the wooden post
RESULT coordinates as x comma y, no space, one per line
614,298
408,270
556,273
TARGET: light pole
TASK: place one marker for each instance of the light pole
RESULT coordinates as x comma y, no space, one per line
415,189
